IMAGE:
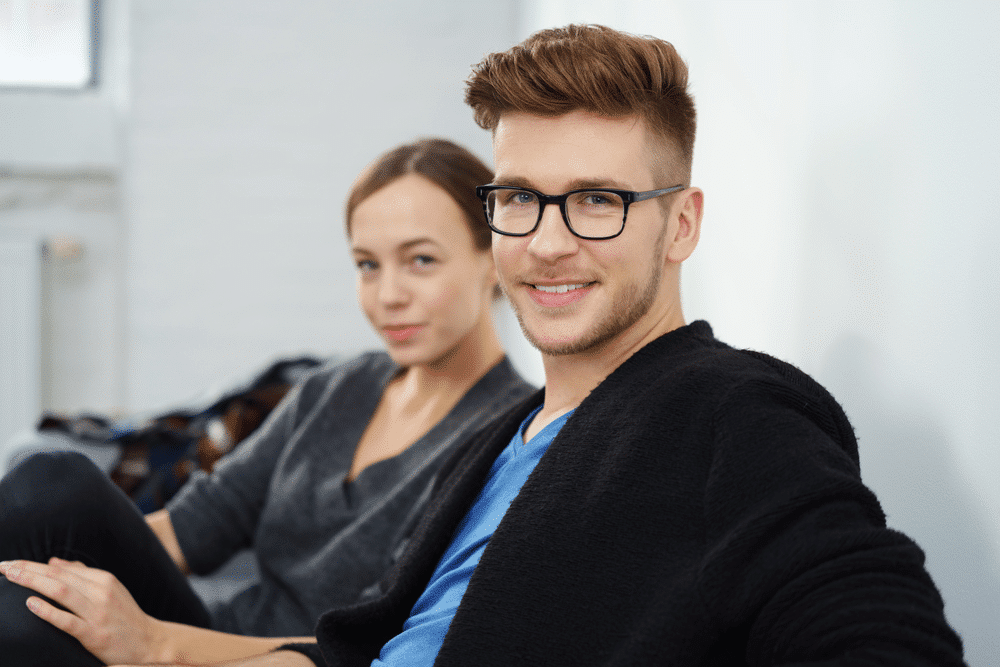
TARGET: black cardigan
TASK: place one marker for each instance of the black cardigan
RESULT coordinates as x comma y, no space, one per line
702,506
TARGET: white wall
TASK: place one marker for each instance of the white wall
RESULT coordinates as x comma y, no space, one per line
204,178
248,123
60,156
850,154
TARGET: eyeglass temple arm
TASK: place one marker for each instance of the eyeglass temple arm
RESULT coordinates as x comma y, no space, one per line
649,194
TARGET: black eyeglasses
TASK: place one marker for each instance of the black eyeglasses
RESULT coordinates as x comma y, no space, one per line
594,214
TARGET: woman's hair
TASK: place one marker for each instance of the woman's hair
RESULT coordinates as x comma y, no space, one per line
595,69
451,167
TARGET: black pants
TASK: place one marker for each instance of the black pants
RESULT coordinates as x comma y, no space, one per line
60,504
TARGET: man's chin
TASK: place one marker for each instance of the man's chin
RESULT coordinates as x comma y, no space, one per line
564,345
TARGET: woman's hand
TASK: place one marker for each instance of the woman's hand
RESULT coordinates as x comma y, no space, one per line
100,612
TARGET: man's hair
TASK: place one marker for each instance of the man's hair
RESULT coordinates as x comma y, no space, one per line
451,167
590,68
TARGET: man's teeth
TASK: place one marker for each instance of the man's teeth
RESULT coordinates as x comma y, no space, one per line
559,289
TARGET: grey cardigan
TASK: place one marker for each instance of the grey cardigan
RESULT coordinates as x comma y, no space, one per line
319,540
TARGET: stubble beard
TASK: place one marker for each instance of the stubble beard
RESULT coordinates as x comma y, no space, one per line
625,312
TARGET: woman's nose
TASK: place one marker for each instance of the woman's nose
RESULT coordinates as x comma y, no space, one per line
392,289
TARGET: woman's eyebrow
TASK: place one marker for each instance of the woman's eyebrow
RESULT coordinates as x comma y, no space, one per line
415,242
402,247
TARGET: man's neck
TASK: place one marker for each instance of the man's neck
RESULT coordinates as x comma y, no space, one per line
570,378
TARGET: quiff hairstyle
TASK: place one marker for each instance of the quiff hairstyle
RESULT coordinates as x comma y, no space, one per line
451,167
596,69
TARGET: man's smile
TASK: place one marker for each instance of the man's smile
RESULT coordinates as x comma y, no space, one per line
557,295
560,289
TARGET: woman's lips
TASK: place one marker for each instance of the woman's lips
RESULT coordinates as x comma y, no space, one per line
402,333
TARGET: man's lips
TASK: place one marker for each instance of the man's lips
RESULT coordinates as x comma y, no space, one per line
555,295
400,333
560,289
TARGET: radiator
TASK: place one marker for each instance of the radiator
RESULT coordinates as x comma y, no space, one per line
20,335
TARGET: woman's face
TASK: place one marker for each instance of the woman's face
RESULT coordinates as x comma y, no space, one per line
422,283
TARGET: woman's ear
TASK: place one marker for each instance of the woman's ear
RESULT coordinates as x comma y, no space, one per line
687,212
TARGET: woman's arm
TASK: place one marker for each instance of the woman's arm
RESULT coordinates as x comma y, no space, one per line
101,614
276,659
159,523
189,645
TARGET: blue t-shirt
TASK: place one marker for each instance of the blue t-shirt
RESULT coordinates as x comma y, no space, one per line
424,631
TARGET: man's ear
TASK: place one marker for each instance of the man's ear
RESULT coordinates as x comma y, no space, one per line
687,211
492,278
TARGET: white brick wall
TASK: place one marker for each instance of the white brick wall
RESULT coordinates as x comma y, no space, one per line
248,123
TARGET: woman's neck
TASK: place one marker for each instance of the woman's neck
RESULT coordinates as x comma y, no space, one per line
453,374
420,396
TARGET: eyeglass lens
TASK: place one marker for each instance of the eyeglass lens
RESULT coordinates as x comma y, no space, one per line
594,213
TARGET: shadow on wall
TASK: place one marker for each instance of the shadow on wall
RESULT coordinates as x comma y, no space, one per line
906,458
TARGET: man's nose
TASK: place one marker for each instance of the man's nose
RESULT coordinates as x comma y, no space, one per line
552,239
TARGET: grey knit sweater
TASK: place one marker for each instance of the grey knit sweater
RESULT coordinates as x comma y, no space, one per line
319,540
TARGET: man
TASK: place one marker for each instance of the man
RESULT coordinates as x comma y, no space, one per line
692,504
700,505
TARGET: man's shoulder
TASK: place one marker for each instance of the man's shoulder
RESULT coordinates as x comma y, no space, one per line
689,370
692,354
691,357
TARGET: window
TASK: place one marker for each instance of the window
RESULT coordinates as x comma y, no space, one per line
48,43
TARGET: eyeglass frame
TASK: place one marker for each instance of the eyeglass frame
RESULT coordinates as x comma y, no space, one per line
628,197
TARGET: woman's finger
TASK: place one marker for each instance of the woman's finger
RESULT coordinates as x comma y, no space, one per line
68,563
65,588
79,576
91,574
64,620
71,576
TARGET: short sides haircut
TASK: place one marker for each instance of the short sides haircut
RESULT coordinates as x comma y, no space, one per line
454,169
596,69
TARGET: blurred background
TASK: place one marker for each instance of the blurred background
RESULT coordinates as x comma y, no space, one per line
186,184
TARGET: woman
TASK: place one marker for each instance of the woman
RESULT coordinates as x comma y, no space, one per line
325,491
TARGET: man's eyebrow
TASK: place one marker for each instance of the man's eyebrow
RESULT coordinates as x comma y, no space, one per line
578,184
513,181
588,183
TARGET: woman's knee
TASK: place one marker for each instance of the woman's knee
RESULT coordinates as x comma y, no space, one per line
61,481
28,641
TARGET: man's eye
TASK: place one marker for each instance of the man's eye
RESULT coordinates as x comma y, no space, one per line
597,199
516,198
524,197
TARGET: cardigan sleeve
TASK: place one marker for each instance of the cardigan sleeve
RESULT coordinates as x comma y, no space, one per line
803,559
215,515
310,651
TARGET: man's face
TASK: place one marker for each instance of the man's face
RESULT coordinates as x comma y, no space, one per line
573,295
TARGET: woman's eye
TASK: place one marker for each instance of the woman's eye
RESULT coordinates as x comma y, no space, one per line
366,265
423,260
